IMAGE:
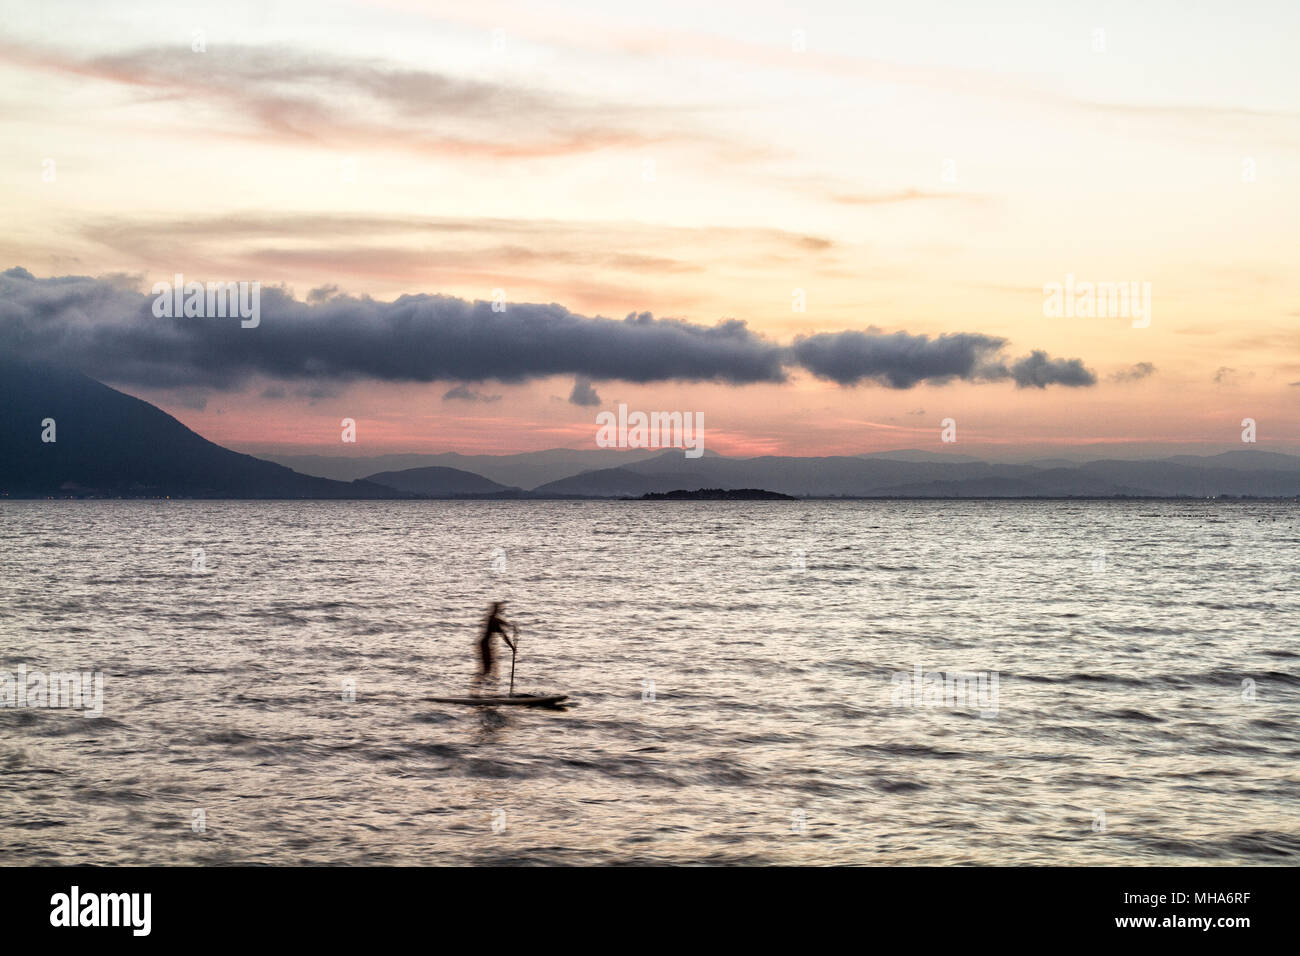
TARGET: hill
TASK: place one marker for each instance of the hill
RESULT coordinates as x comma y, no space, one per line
111,444
437,482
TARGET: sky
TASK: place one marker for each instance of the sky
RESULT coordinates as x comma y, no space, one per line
827,227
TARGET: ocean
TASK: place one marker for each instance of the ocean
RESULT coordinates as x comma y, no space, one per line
807,682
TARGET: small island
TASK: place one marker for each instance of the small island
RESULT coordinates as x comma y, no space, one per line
717,494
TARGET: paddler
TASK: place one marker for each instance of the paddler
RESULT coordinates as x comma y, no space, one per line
494,624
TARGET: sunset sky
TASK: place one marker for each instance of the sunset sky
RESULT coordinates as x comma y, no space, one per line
917,168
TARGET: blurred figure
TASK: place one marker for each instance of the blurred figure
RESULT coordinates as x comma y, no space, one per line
494,624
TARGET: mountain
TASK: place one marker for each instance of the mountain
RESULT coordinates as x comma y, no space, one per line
1200,481
523,470
918,455
991,487
438,482
619,483
1241,473
108,443
1244,460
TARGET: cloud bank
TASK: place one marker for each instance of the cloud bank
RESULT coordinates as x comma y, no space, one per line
106,328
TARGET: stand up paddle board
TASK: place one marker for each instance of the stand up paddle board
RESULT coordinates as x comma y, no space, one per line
515,700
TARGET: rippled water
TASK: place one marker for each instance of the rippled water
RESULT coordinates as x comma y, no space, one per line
731,665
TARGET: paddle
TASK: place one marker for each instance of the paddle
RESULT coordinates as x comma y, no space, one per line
514,647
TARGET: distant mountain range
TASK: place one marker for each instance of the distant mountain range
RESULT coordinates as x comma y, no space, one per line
1238,473
110,444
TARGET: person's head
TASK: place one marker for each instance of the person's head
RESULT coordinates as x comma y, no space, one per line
497,606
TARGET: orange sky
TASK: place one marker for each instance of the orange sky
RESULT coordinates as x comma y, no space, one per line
928,172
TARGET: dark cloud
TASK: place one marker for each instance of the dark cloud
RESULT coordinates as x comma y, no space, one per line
106,328
901,360
1135,374
583,393
1230,376
109,331
1038,370
896,359
463,393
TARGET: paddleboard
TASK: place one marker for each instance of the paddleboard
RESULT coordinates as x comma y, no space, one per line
518,700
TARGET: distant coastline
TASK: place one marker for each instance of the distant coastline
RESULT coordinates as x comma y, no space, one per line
110,445
757,494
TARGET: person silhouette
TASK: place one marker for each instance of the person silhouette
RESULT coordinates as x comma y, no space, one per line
493,624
